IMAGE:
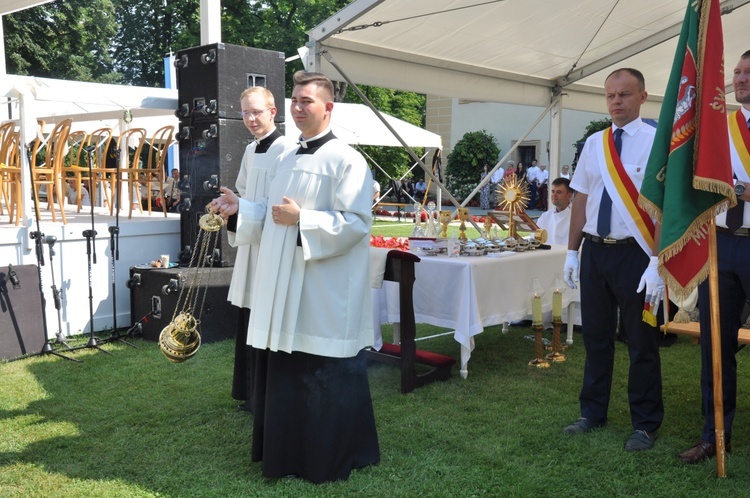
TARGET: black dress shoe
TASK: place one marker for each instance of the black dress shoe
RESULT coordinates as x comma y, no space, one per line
245,407
700,452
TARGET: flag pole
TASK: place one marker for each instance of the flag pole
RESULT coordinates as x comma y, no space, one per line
713,290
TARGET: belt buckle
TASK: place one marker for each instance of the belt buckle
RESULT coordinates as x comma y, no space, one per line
609,240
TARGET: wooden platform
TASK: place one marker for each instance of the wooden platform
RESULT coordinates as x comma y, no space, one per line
693,329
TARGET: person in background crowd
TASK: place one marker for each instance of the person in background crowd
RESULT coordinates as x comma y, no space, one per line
497,178
520,172
484,192
565,172
532,177
542,179
419,189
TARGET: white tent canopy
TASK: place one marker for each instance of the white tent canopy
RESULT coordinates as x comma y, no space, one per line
93,105
90,105
513,51
357,124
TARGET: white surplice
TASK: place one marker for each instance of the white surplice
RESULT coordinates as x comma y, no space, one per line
252,184
313,298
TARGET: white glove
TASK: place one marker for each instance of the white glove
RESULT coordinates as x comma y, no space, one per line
571,268
652,282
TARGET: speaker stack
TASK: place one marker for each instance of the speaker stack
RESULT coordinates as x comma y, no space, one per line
212,136
155,293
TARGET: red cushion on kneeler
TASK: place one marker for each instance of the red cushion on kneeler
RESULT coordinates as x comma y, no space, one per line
423,357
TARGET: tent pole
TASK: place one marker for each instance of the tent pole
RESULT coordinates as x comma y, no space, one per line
428,171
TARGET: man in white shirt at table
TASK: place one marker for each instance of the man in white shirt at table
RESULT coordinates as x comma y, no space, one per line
556,221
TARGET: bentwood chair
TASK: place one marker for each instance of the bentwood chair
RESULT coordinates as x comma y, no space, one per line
130,144
100,174
157,155
10,172
49,172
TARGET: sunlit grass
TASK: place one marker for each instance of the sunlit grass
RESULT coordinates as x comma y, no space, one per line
134,425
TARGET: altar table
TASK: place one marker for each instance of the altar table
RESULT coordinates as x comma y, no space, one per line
468,293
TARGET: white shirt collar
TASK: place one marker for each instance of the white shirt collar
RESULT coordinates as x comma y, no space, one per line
303,141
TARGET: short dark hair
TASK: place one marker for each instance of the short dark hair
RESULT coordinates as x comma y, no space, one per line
633,72
563,181
321,81
746,55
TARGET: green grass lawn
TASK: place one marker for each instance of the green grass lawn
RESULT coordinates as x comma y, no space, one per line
132,424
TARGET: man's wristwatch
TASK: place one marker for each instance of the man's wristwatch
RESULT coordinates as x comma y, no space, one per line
739,189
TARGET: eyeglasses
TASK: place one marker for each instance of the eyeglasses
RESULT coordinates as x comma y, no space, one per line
252,114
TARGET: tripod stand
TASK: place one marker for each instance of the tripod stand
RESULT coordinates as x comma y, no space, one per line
91,254
37,236
56,293
114,252
47,348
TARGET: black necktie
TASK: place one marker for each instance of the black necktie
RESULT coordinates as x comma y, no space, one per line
734,215
604,222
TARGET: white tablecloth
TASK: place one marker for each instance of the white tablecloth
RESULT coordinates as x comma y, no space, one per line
469,293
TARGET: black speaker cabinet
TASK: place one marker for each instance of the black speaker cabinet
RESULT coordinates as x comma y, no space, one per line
211,155
211,78
21,322
222,255
154,297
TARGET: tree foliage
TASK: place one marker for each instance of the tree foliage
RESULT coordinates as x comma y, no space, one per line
108,41
591,128
68,39
408,106
149,31
467,159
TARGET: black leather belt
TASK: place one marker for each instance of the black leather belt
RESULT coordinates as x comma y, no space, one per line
740,232
609,240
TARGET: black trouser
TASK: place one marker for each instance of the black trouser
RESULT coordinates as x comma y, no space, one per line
609,278
734,287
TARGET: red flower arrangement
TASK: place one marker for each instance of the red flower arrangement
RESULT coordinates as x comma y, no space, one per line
400,243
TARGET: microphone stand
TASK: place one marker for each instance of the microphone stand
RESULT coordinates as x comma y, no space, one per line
37,237
114,251
91,254
56,293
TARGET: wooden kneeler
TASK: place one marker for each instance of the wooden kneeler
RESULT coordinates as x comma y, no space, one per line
399,268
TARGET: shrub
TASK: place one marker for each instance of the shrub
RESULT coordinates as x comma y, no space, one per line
466,161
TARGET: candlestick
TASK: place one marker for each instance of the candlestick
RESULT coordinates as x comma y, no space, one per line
556,355
539,361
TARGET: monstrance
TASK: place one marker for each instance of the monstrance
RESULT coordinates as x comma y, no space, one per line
515,198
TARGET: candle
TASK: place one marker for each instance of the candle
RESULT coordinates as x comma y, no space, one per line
536,310
557,304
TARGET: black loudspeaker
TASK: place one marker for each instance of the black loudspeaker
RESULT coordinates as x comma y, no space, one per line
21,322
222,254
210,79
210,155
154,296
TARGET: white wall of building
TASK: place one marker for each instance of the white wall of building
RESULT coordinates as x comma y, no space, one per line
508,122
